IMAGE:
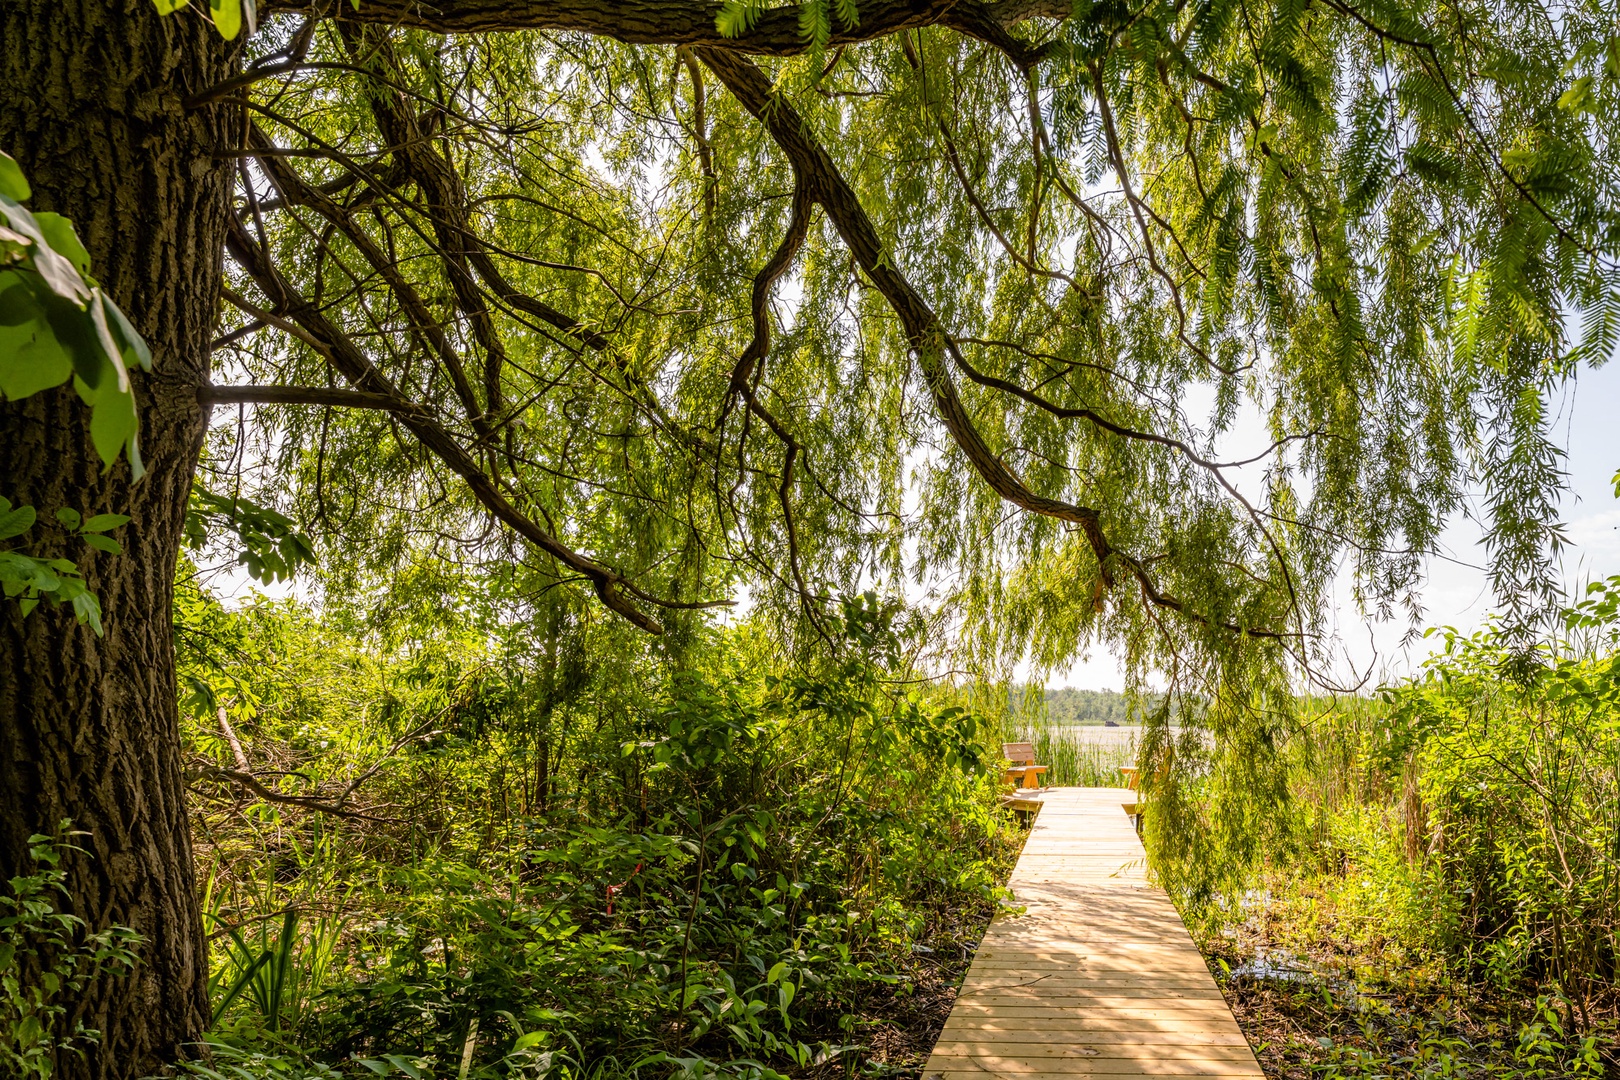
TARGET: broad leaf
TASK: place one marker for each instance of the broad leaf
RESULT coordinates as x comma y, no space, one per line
16,522
103,522
13,185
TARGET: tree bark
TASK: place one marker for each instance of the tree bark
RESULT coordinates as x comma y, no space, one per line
90,105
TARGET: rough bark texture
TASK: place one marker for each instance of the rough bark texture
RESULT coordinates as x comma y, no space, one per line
777,32
90,94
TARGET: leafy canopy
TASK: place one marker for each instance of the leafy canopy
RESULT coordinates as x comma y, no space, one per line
800,299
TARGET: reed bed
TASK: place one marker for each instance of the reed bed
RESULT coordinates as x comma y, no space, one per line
1076,756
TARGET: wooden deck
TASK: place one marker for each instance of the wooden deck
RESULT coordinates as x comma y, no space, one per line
1099,977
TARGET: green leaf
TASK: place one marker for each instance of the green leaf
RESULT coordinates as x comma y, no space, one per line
1521,161
13,185
169,7
1578,98
27,605
227,17
130,338
737,17
31,359
68,517
110,349
113,426
57,271
64,241
403,1065
103,522
103,543
88,609
16,522
25,572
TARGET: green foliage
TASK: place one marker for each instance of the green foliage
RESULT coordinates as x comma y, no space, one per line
47,957
1456,838
717,864
1519,782
56,324
228,16
29,578
1150,228
271,546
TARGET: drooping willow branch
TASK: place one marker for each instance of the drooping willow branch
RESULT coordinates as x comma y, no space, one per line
927,337
614,590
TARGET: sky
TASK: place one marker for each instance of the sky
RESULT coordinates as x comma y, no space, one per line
1588,427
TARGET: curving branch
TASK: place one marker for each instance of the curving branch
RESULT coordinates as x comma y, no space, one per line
295,191
274,394
928,338
777,32
614,590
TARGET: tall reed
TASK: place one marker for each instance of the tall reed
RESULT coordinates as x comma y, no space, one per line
1078,756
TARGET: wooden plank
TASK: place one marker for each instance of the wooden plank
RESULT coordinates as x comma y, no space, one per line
977,1042
1097,977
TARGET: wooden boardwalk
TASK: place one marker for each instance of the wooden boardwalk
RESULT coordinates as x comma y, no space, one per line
1099,977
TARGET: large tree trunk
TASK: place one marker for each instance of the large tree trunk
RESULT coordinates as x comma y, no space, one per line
90,105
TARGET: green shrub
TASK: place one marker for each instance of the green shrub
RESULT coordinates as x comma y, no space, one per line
46,954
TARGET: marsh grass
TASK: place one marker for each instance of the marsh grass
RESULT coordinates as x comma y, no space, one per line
1077,756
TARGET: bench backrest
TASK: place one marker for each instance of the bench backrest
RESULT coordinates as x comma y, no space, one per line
1019,753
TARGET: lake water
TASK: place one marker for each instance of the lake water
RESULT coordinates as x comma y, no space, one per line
1126,735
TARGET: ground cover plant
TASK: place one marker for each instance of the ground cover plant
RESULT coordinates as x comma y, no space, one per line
1444,892
475,857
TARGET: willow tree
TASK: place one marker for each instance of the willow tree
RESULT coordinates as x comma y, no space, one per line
674,298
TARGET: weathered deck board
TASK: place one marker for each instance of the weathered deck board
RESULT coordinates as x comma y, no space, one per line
1099,977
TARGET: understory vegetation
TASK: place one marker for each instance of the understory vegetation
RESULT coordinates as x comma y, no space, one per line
462,830
1442,893
465,851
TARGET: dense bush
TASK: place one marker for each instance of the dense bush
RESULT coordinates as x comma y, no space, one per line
477,845
1460,832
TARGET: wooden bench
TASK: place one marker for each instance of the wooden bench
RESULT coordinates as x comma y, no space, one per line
1024,776
1133,777
1021,771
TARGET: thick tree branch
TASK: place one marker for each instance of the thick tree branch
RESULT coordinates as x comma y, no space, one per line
212,394
694,22
297,192
444,196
